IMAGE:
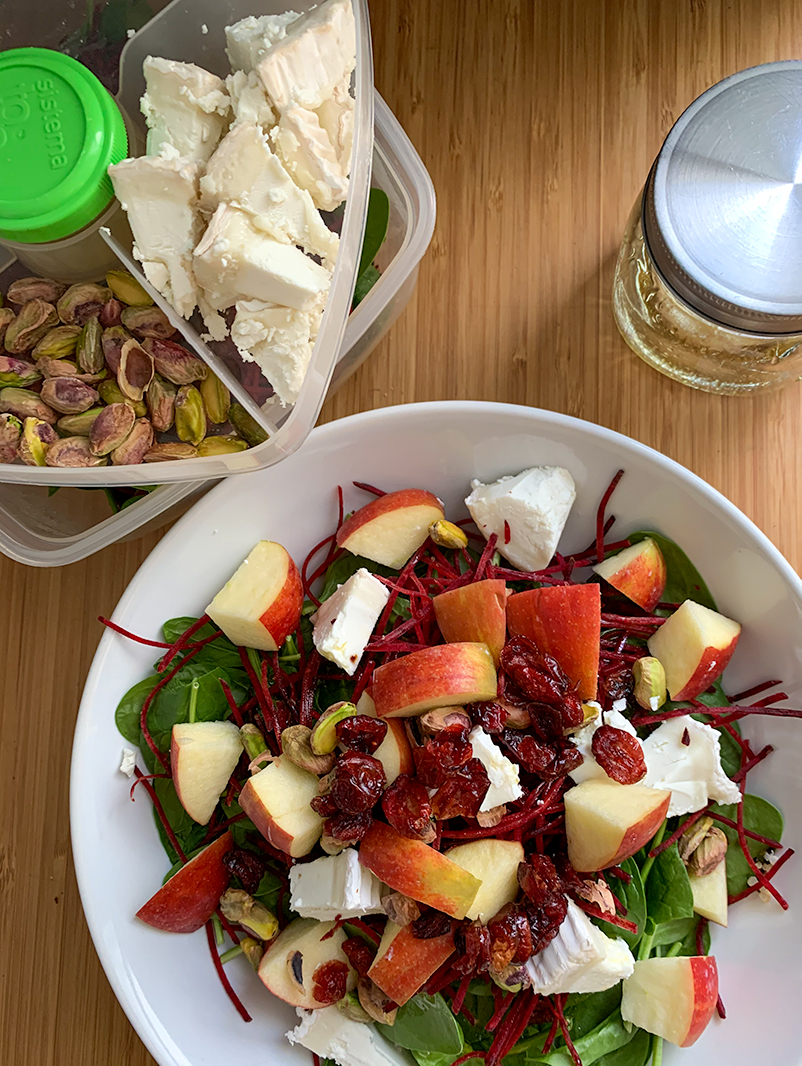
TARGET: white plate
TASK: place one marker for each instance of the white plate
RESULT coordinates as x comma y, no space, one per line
166,983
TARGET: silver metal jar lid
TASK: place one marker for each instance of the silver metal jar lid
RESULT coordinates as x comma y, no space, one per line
722,211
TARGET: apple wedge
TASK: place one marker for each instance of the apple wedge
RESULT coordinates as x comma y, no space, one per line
606,823
443,676
189,899
694,645
261,604
476,612
403,963
420,872
277,802
306,965
494,863
672,997
638,572
565,622
390,529
203,756
710,894
394,752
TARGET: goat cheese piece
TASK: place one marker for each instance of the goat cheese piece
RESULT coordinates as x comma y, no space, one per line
344,622
329,1034
535,504
693,771
317,54
583,742
234,261
306,151
245,173
505,785
128,762
249,100
336,886
160,197
186,108
336,116
279,340
248,40
579,959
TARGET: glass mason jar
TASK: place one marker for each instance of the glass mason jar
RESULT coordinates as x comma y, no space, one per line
708,283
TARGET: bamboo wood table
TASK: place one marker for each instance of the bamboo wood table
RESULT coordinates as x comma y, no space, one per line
538,120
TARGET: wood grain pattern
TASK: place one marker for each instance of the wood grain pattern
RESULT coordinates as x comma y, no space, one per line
538,120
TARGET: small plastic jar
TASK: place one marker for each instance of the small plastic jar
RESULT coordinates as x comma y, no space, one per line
60,130
708,283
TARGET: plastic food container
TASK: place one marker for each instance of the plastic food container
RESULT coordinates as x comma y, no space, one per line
41,530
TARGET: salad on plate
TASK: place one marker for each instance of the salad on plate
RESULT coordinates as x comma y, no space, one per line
455,795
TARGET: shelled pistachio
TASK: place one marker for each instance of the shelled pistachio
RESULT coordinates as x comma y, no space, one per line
68,396
136,370
26,404
89,349
18,373
127,289
78,425
7,316
37,436
81,301
34,320
135,446
174,362
58,343
110,392
170,451
112,341
10,432
216,398
221,446
73,452
160,399
24,290
190,416
246,425
111,427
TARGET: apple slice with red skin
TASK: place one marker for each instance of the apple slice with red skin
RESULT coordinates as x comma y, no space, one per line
565,622
710,894
442,676
672,997
403,963
260,605
606,823
203,756
394,752
390,529
476,612
694,644
277,802
420,872
191,896
638,572
291,966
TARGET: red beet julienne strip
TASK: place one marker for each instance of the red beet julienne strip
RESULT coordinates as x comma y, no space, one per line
131,636
501,1039
676,834
232,703
142,778
256,684
183,640
632,623
752,836
232,995
151,791
764,881
368,488
751,889
613,919
461,993
735,714
502,1002
485,557
366,929
749,692
305,581
468,1055
600,515
558,1006
751,763
143,717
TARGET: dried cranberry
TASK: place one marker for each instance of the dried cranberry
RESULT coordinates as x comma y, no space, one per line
570,878
619,754
615,686
362,733
430,925
571,712
359,954
348,828
440,754
539,879
510,937
462,792
324,805
545,920
329,982
407,808
247,866
548,761
358,782
473,944
546,721
490,716
538,676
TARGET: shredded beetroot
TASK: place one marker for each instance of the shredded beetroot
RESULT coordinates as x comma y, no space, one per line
221,973
676,834
368,488
160,812
184,639
613,919
751,889
131,636
600,522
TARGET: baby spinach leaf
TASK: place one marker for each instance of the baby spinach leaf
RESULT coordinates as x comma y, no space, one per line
220,652
268,890
375,228
684,582
129,709
673,931
633,897
636,1053
188,833
668,890
365,282
346,566
589,1010
425,1023
761,817
438,1058
171,705
689,941
593,1047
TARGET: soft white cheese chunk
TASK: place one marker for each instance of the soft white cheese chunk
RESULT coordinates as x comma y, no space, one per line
344,622
535,503
505,785
306,151
234,261
128,762
160,197
583,741
579,959
336,886
329,1034
185,107
249,39
693,771
336,116
317,54
279,340
249,100
245,173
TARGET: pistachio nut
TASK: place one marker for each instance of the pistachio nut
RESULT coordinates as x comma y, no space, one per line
58,368
68,396
18,372
111,428
323,738
296,745
136,370
253,951
374,1002
590,712
89,350
112,342
252,741
221,446
331,845
26,404
81,302
127,289
650,683
693,837
442,718
246,425
73,452
23,290
400,909
36,438
110,392
216,398
34,320
148,321
174,362
709,854
111,315
352,1009
135,446
78,425
58,343
160,399
7,316
10,432
244,910
190,417
447,535
168,452
513,978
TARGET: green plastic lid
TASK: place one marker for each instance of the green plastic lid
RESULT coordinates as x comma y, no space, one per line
59,132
